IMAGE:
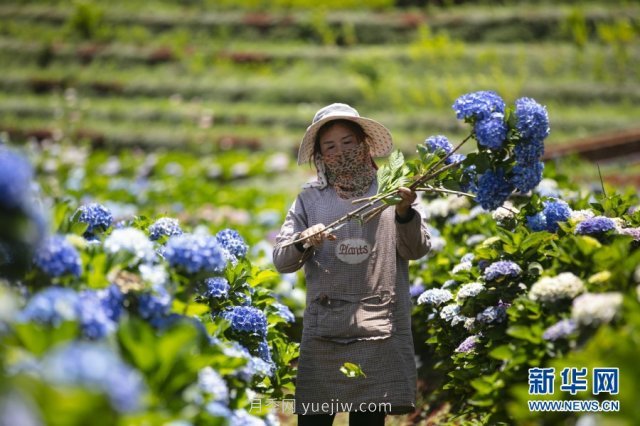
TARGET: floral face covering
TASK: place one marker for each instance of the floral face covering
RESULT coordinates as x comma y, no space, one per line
350,172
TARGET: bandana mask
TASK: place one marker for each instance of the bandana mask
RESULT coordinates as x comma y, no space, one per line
350,172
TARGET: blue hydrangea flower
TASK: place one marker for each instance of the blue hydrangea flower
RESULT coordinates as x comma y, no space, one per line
559,330
96,368
97,216
438,142
94,318
528,152
468,344
16,175
195,253
246,319
284,312
152,306
502,269
467,258
491,131
211,383
57,257
478,105
556,211
595,225
455,158
493,189
435,297
233,242
241,417
164,226
537,222
416,290
527,177
469,179
263,350
216,287
112,301
493,314
217,409
532,119
51,306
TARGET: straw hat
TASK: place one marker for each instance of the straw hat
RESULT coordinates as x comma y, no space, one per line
379,137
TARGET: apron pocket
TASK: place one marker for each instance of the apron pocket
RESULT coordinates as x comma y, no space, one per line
354,317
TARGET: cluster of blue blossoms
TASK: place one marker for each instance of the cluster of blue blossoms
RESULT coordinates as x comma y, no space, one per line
554,211
195,253
502,269
522,170
165,226
246,319
57,257
595,226
96,216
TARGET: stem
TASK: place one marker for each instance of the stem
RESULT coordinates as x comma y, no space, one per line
444,191
344,218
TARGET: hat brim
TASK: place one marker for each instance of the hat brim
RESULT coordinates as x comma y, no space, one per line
379,137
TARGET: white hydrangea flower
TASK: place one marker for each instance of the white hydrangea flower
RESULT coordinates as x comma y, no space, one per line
437,244
435,296
131,240
469,290
449,312
505,212
551,289
156,275
463,266
596,308
469,323
619,223
578,216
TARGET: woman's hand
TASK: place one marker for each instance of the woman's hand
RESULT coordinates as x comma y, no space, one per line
408,197
316,240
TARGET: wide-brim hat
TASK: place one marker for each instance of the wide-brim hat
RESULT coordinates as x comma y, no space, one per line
378,136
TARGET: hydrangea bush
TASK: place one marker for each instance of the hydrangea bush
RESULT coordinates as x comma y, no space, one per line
137,321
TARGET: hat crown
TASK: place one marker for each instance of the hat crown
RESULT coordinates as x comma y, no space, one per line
336,109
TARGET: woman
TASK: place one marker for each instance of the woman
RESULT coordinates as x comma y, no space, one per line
358,304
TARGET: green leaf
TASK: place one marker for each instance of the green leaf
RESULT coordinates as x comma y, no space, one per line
352,370
502,352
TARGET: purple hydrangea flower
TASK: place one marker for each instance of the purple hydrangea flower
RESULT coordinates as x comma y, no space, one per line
532,119
97,216
233,242
468,344
96,368
632,232
246,319
164,226
493,189
16,175
559,330
210,382
216,287
502,269
195,253
595,225
491,132
478,105
57,257
438,142
527,177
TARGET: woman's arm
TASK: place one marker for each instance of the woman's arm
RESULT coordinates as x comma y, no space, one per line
413,238
291,258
